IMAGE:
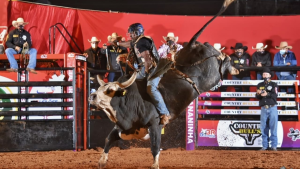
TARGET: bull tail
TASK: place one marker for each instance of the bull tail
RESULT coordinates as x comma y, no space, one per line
223,8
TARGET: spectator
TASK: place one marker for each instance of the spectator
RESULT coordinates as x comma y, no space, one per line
18,40
95,59
170,47
112,52
261,58
285,57
267,95
240,59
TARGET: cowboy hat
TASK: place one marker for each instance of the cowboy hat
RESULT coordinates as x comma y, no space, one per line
114,35
260,46
171,35
267,70
239,46
282,45
19,20
218,46
94,39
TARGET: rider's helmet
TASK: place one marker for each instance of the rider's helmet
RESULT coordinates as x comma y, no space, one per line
136,28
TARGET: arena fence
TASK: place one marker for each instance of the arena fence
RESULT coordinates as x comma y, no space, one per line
225,119
37,114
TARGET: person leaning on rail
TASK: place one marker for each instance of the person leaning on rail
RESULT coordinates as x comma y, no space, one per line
17,40
95,61
239,59
261,58
266,93
285,57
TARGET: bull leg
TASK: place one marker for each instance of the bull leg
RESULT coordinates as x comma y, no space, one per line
110,139
155,139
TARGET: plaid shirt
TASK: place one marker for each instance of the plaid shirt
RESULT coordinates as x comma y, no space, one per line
164,50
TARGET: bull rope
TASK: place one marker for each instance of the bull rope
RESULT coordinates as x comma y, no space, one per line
188,79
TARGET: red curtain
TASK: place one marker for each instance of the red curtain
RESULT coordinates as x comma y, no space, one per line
83,24
270,30
40,18
3,12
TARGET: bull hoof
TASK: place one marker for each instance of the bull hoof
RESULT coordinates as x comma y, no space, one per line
103,160
155,166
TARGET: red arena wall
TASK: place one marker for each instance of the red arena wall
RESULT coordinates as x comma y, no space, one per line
83,24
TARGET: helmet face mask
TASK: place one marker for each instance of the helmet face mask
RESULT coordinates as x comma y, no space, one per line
135,30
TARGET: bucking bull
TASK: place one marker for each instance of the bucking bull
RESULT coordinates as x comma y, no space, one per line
198,68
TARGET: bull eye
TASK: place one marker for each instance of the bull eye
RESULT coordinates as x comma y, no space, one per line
109,90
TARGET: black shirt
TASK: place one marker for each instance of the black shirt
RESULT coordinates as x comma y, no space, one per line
113,52
271,88
264,58
240,62
144,44
18,38
96,59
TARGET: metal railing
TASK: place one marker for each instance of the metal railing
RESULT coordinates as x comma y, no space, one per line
59,30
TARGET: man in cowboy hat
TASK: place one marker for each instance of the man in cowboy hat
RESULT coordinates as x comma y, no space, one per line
267,95
240,59
16,41
95,59
285,57
112,52
261,58
170,46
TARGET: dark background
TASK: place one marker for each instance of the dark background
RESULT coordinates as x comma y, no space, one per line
184,7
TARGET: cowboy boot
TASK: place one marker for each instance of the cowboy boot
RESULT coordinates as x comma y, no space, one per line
31,70
164,119
12,70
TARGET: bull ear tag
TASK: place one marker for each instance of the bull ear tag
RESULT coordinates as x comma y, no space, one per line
124,92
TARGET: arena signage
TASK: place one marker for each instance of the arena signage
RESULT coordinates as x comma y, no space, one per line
239,133
247,130
190,126
255,82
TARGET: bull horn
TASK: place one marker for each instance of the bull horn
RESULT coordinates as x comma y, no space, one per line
100,81
129,81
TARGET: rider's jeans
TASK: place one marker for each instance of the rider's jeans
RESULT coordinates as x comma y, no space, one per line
157,98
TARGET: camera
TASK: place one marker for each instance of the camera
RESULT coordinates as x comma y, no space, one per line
263,91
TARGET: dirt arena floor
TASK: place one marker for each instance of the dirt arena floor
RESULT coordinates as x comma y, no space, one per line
141,158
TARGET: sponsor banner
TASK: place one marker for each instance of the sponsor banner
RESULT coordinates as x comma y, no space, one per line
242,112
211,94
190,126
244,134
255,82
241,94
243,103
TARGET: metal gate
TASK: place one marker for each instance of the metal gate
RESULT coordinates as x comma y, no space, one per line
30,124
